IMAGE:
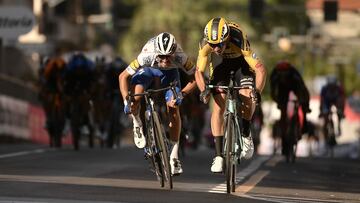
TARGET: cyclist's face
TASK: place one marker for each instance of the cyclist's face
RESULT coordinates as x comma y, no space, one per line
218,49
164,60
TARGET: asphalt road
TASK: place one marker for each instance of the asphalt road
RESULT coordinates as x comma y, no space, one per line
34,173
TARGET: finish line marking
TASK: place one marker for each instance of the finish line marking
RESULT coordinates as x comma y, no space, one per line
242,174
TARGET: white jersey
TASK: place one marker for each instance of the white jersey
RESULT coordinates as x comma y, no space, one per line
148,56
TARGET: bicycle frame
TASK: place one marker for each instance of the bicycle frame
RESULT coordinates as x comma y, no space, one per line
233,141
156,148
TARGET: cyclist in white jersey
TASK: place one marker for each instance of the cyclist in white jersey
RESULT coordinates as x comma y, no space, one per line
159,61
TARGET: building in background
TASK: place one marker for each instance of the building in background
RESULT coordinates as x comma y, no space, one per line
335,33
62,25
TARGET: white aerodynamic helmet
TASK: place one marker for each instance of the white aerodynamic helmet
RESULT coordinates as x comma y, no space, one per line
165,44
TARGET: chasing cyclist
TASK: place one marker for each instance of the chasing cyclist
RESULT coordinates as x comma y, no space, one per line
332,94
160,58
285,79
225,48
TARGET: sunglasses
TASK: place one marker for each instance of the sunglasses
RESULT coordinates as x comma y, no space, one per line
164,56
220,45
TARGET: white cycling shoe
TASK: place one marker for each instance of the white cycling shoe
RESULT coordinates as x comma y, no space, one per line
139,138
217,164
176,168
248,148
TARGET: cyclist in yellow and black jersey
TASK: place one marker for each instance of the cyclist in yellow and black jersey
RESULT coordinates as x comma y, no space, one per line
225,48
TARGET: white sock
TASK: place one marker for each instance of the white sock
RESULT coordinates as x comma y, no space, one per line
175,149
136,120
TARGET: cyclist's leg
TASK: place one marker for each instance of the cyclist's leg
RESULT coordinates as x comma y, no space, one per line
174,118
217,120
324,112
140,82
220,76
340,106
283,127
175,130
244,77
217,129
173,112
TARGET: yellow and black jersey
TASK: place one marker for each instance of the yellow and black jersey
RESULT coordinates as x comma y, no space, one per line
237,45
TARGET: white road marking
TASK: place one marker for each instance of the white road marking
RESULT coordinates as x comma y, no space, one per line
242,174
284,199
36,151
47,200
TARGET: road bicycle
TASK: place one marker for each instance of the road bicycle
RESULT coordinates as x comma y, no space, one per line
157,144
233,141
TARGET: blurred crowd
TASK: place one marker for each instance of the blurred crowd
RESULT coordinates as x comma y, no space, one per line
81,94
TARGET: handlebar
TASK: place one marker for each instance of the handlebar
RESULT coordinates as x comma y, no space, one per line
148,92
227,87
232,78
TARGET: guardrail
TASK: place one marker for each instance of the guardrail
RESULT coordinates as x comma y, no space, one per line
21,115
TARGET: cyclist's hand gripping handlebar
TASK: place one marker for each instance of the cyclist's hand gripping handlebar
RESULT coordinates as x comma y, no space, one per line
127,103
205,95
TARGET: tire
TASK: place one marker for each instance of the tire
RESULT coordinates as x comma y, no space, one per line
76,139
291,140
163,151
331,141
154,155
229,163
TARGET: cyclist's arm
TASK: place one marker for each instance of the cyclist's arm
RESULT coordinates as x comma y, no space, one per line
190,86
273,85
301,90
201,64
259,68
188,67
200,80
125,76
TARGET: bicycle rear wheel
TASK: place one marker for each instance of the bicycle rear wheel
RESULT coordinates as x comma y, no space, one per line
163,151
230,167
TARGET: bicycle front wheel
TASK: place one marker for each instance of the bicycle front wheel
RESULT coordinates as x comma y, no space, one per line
161,143
153,151
230,168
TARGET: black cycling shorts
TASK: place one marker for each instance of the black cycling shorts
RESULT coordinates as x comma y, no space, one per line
221,74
